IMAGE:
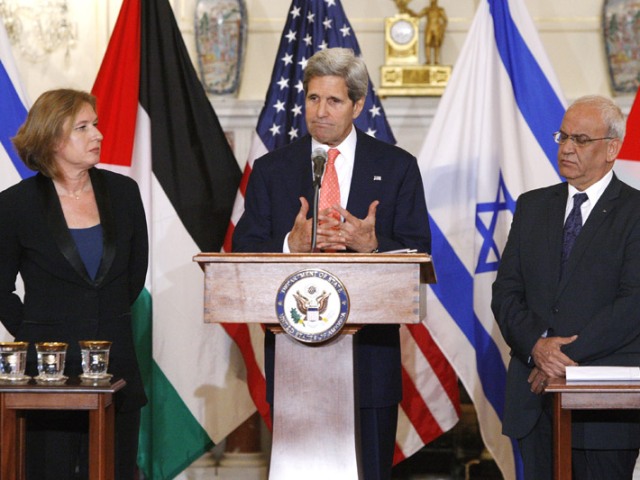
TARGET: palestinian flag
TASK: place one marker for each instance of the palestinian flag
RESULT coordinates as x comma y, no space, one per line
159,127
627,167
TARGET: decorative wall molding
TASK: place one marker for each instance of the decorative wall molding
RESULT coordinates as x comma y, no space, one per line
409,117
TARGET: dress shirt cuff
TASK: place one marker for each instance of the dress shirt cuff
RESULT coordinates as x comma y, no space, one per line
285,246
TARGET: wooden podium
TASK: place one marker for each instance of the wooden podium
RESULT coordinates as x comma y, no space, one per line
315,422
583,395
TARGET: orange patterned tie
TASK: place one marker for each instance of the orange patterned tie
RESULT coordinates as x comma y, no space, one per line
330,189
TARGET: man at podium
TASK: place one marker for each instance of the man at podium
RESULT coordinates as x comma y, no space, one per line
375,204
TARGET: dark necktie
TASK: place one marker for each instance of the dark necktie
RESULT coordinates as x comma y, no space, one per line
572,226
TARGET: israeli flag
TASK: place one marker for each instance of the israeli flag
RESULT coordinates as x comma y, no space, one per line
490,141
13,112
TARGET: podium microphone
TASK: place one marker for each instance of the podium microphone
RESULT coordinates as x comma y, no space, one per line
319,159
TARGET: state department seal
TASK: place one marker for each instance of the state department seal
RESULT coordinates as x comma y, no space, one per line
312,305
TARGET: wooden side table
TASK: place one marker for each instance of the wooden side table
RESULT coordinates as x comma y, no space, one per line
73,395
583,396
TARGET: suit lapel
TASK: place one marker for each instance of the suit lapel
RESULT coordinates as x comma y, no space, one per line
601,210
555,222
299,178
364,169
107,221
52,211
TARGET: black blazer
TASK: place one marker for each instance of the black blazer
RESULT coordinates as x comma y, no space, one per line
381,172
61,301
598,298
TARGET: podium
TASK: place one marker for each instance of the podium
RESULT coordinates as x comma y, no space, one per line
315,420
583,395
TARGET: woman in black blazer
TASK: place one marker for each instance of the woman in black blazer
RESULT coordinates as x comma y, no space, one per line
77,235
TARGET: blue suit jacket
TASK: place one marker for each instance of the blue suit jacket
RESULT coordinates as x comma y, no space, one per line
381,172
597,298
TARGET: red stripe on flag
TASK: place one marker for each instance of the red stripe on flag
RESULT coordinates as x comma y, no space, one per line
413,404
245,179
228,237
441,367
256,382
242,188
119,77
418,411
631,146
398,456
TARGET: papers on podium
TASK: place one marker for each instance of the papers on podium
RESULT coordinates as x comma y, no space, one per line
618,374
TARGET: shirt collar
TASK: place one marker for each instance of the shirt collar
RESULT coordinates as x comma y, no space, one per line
595,191
347,147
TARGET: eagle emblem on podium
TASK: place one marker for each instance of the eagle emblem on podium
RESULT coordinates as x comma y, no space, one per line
312,305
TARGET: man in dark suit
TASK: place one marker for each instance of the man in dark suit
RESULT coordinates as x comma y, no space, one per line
568,293
381,208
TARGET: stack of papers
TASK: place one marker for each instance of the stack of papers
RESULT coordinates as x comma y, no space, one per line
602,373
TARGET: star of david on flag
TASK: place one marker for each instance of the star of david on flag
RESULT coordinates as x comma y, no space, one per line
487,217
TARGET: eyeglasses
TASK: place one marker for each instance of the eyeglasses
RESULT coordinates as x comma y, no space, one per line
578,140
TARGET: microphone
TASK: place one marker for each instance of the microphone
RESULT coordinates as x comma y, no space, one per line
319,159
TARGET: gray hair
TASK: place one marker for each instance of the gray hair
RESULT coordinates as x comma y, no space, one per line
339,62
610,113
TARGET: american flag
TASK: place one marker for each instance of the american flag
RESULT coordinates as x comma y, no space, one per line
431,404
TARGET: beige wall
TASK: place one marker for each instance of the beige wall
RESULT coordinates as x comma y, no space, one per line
570,31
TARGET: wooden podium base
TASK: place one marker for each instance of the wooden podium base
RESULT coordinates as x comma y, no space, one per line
315,433
316,423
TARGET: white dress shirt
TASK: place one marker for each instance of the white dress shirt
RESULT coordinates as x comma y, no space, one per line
594,192
344,169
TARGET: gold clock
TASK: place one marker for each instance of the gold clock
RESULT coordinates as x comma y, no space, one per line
401,38
402,74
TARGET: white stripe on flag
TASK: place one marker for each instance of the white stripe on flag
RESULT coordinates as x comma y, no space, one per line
431,390
628,171
407,437
196,357
257,150
627,166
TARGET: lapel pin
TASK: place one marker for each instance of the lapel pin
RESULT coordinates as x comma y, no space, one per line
377,178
